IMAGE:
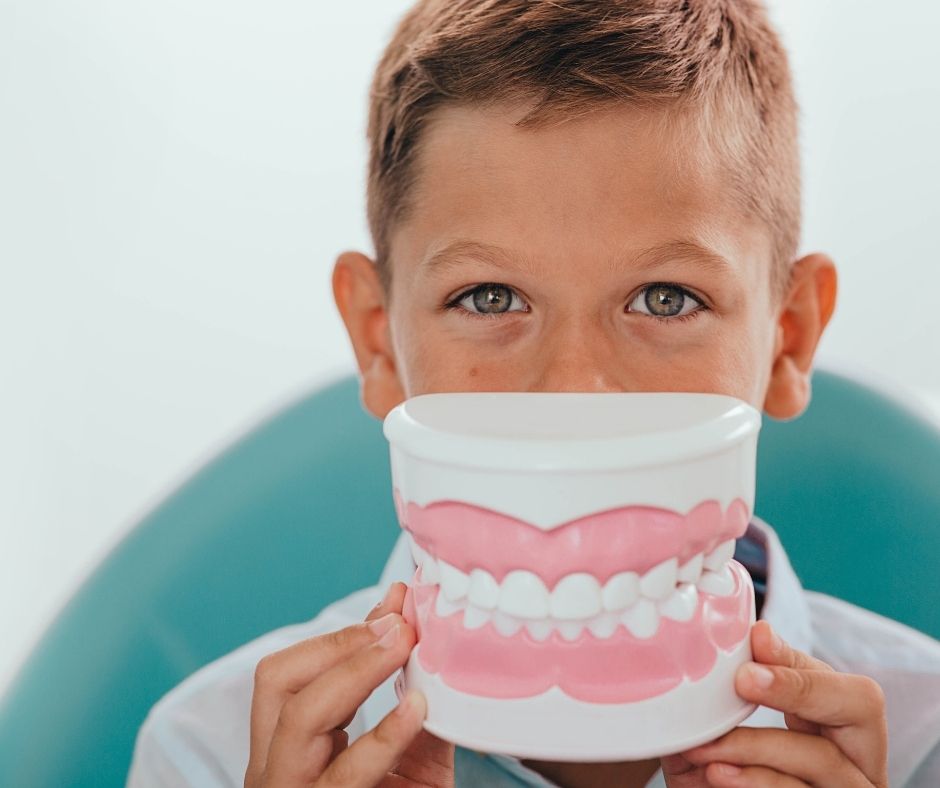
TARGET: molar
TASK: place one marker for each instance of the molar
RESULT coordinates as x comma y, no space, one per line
419,554
680,604
430,571
720,583
691,570
718,557
444,607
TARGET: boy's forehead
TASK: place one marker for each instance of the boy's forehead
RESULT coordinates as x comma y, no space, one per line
609,183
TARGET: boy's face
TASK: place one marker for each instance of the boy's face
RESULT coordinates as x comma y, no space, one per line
592,228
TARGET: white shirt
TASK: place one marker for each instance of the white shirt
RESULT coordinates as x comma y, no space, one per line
198,733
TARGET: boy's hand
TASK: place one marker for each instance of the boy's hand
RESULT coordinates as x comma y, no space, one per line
837,730
306,694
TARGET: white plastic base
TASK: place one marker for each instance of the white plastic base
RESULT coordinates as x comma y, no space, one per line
554,726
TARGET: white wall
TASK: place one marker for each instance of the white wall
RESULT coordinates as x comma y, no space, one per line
176,179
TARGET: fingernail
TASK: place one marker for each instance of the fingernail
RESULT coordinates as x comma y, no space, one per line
408,702
381,625
728,769
390,638
762,677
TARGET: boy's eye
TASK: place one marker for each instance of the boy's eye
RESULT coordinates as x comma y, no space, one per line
664,300
488,299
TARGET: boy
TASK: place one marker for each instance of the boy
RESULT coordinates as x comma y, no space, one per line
573,195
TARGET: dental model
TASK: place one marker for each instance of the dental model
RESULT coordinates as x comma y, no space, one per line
575,595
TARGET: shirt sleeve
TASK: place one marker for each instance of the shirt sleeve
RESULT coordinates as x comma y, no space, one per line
163,758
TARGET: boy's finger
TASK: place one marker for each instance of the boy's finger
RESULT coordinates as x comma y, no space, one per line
282,674
373,754
813,759
428,761
296,752
770,648
828,698
851,706
726,775
392,602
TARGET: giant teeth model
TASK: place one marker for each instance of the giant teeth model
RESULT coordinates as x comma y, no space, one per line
575,594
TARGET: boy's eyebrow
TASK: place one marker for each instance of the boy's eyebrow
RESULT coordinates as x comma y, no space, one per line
457,251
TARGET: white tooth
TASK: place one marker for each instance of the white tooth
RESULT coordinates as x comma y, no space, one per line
604,625
570,629
681,604
474,618
483,592
660,581
523,594
506,625
430,571
720,583
718,557
417,552
454,583
691,570
576,596
621,591
642,619
443,607
539,630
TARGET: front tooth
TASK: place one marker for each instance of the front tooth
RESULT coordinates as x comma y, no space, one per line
570,629
621,591
443,607
604,625
691,570
642,619
718,557
576,596
720,583
483,591
506,625
523,594
430,571
681,604
473,617
660,581
539,630
454,583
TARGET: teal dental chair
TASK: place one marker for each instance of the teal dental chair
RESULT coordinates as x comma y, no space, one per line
299,512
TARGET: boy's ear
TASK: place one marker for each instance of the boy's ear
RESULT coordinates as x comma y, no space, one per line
362,304
804,313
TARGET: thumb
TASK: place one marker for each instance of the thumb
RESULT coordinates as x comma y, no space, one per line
428,761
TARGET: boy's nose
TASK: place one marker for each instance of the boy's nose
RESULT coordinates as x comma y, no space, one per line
577,359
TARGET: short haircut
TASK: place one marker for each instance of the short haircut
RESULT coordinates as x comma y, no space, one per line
717,62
